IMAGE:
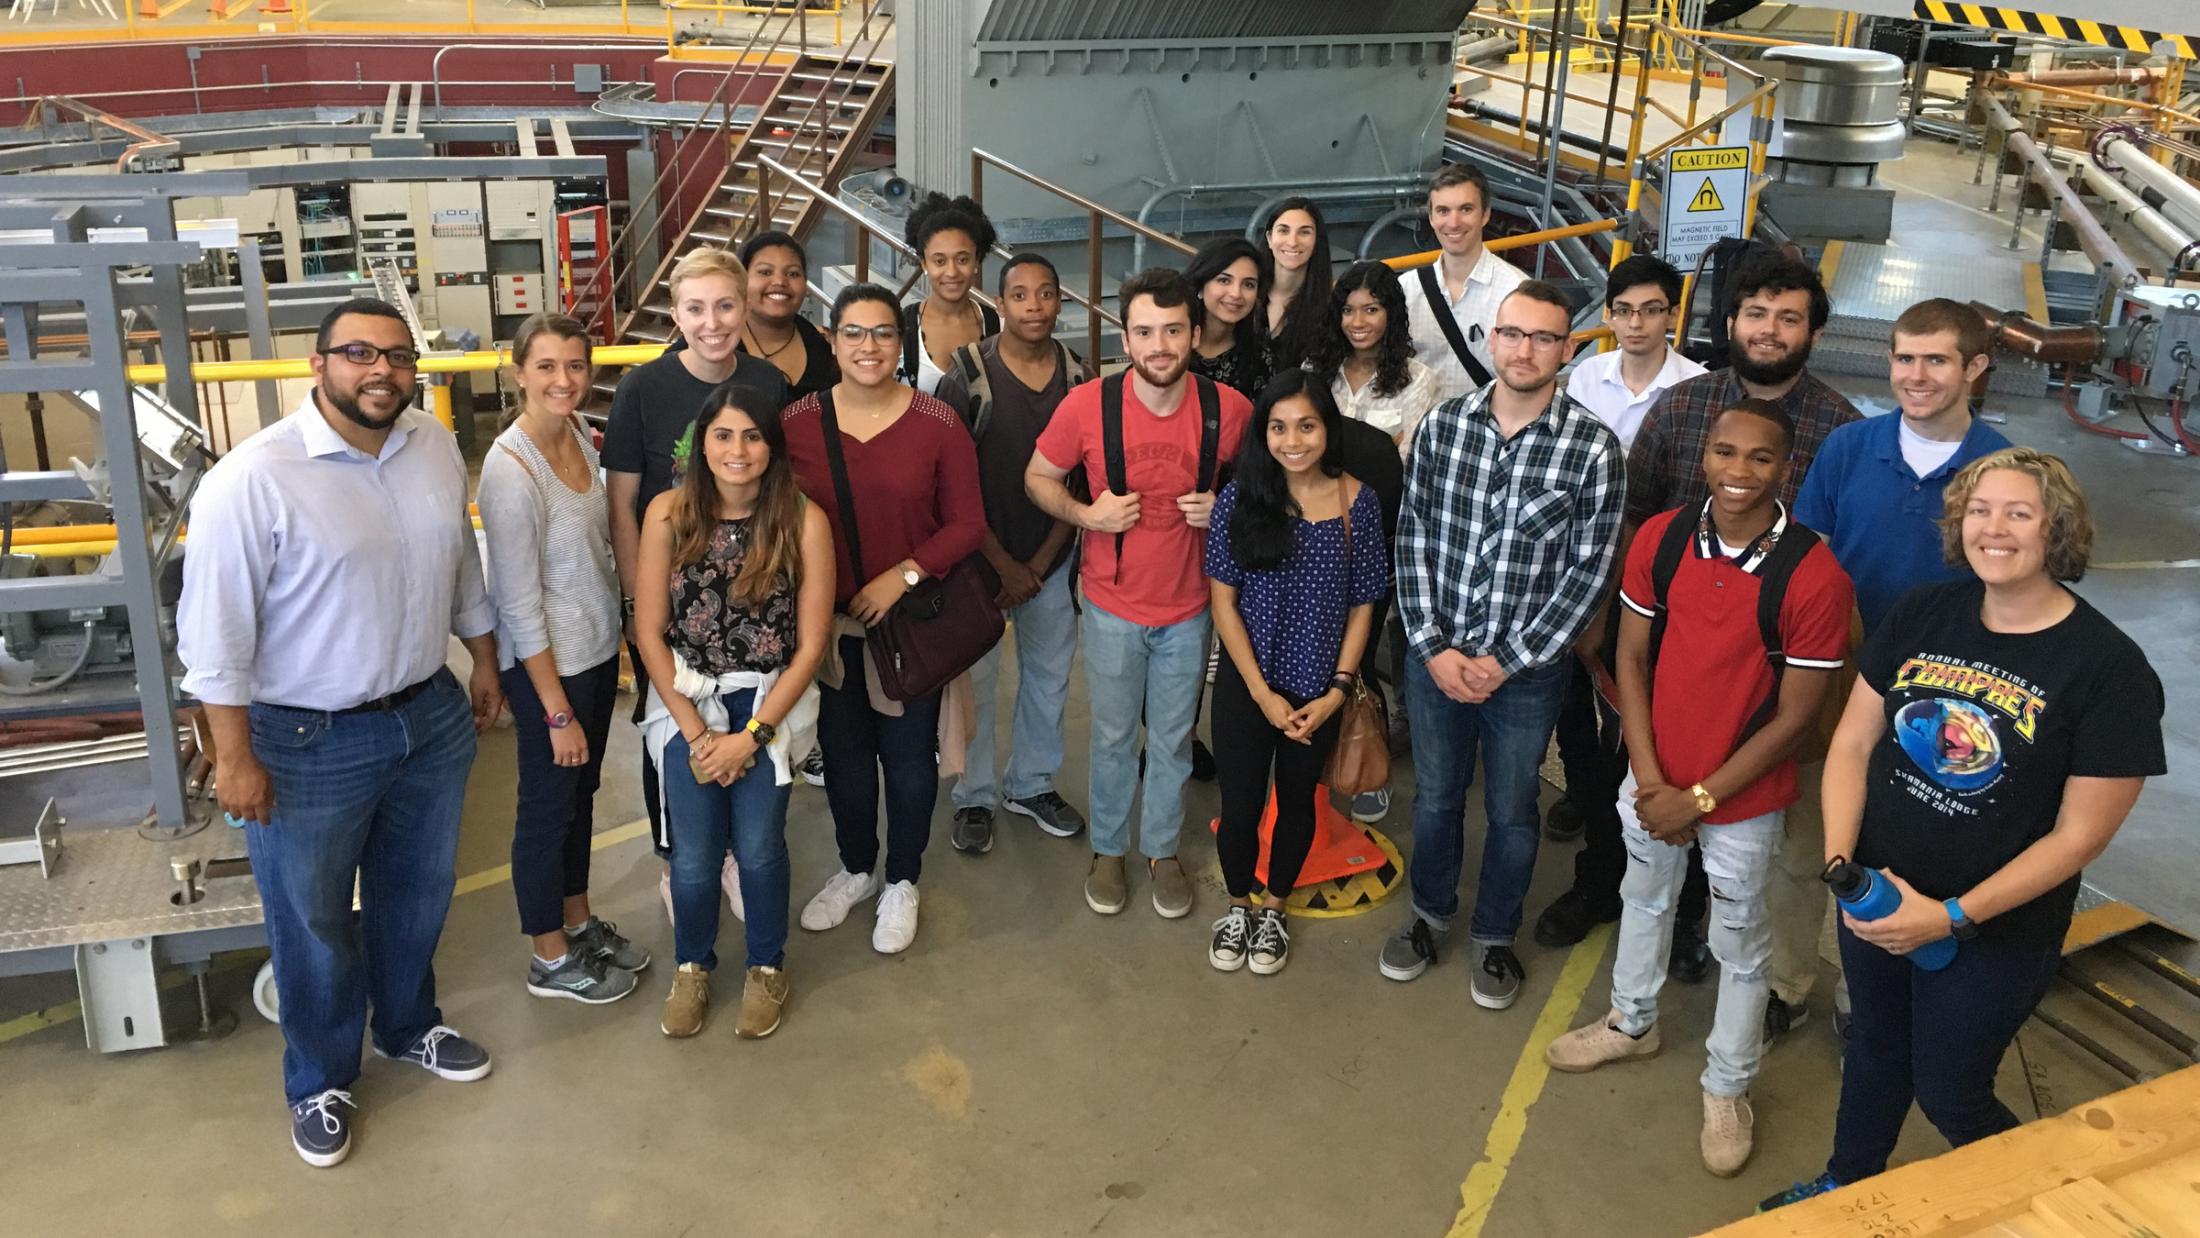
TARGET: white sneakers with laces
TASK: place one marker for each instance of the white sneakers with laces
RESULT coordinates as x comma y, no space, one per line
897,918
837,899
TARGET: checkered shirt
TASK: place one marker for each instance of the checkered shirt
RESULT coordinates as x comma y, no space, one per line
1506,547
1665,466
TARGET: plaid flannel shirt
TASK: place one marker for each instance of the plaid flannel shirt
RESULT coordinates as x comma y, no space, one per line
1665,466
1506,547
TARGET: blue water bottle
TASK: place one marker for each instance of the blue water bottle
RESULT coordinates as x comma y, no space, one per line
1866,895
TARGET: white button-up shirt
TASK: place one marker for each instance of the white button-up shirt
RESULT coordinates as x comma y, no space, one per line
1596,385
1475,310
1396,414
319,577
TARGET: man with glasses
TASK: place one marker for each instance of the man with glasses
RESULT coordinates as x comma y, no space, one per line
1505,551
1618,385
330,560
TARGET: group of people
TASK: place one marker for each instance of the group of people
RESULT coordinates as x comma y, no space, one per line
1304,483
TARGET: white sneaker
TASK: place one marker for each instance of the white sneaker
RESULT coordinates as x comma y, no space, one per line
729,878
897,918
1728,1133
837,899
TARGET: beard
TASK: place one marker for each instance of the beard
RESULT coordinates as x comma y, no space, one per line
347,404
1162,380
1542,382
1766,373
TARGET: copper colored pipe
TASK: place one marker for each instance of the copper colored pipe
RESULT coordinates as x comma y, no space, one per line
2017,332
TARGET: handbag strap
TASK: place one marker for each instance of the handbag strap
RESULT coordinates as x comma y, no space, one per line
843,494
1344,504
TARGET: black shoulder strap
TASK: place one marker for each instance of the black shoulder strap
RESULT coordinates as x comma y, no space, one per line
969,365
1440,309
1210,432
1672,547
989,321
843,494
911,316
1111,449
1786,555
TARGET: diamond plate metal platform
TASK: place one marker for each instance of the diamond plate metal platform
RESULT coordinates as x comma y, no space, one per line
111,885
1873,284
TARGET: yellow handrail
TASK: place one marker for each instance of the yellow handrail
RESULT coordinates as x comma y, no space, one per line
432,363
1498,245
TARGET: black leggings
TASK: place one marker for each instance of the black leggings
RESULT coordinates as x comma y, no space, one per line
1246,750
859,742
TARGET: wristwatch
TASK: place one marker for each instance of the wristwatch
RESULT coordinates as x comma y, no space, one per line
557,721
1960,926
911,577
1706,803
764,731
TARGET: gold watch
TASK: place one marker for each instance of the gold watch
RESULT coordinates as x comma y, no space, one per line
1706,803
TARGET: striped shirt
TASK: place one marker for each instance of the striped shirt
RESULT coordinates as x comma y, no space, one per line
1505,546
550,568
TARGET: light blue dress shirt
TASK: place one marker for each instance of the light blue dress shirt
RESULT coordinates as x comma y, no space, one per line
319,577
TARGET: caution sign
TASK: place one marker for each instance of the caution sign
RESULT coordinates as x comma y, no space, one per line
1706,188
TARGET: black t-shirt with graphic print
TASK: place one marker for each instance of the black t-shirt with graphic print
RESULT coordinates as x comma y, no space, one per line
1983,728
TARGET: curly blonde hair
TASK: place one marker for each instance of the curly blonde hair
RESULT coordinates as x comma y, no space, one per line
2069,523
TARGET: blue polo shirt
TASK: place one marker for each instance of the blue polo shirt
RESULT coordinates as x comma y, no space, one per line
1882,519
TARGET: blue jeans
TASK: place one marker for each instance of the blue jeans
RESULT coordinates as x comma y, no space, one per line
1046,644
371,794
1129,668
1739,858
1934,1036
1512,730
553,828
705,819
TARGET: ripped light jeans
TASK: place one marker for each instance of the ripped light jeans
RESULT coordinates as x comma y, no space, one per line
1739,858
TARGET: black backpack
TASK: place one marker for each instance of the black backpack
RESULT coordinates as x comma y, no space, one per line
1111,441
989,323
1787,554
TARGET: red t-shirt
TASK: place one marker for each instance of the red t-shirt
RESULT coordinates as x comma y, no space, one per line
915,486
1711,673
1161,581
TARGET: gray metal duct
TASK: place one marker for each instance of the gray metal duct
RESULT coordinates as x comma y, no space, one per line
2092,237
2180,197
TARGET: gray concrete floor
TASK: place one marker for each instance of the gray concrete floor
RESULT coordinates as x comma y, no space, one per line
1028,1068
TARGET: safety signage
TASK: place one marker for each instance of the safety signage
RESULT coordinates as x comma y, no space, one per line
1706,188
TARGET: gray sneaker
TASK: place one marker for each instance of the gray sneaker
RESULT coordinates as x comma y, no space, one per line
583,977
1497,979
973,830
1105,888
600,938
1370,807
1408,954
1052,812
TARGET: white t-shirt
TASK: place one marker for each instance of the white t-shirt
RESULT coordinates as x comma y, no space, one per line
1924,455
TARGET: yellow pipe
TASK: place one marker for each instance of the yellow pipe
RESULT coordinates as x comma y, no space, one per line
448,363
49,535
1406,262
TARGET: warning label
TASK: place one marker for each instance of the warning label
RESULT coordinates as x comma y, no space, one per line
1711,159
1706,189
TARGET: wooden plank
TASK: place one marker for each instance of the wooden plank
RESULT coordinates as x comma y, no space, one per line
2087,1208
1970,1189
2169,1191
2098,923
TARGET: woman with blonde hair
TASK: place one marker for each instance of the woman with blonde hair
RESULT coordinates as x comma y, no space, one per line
731,615
547,524
1999,733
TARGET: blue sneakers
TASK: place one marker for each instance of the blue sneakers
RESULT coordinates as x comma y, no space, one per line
445,1054
320,1128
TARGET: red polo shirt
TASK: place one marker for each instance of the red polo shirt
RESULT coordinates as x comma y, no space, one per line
1711,673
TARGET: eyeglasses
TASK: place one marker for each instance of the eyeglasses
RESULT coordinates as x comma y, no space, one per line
850,333
368,354
1638,313
1513,336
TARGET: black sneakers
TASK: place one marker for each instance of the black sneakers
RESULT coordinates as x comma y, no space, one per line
1569,918
320,1128
973,834
1233,932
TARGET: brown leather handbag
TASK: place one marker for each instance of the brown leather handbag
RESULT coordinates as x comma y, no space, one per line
1361,760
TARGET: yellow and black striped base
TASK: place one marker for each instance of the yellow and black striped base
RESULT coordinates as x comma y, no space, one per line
2100,34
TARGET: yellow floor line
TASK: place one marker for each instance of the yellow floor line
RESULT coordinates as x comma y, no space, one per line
1479,1192
69,1012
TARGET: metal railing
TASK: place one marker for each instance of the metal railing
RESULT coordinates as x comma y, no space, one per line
1096,216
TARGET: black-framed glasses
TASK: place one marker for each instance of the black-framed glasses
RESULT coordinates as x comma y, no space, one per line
367,354
854,333
1638,313
1541,339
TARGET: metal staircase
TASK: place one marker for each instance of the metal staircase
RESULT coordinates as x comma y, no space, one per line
823,107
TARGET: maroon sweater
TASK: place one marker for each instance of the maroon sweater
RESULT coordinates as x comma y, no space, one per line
915,487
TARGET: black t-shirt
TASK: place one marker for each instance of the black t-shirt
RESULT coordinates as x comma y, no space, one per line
1011,434
1247,366
819,368
1983,728
656,403
1371,456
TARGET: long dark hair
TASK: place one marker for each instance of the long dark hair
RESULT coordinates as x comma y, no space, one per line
774,556
1219,255
1393,350
1261,525
1299,334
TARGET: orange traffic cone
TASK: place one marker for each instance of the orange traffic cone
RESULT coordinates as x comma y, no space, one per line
1341,846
